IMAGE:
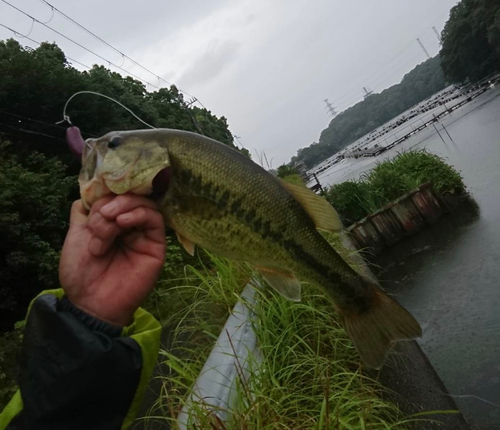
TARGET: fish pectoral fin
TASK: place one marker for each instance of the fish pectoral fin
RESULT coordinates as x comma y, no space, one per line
186,243
323,214
283,282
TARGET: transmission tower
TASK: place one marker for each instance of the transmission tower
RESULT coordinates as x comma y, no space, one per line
437,35
367,92
423,48
330,108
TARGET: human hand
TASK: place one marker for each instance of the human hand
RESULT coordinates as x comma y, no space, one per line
112,256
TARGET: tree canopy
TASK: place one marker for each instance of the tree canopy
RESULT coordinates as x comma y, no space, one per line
36,83
471,40
423,81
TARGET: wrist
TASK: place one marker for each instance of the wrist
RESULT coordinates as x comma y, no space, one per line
92,322
102,310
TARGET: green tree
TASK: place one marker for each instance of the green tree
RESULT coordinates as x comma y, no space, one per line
34,210
471,40
286,170
37,82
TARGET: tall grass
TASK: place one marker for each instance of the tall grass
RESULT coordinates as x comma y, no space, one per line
307,374
391,179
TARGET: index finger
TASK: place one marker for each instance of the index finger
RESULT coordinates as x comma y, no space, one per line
147,219
78,213
125,203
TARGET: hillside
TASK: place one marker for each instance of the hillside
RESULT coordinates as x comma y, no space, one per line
423,81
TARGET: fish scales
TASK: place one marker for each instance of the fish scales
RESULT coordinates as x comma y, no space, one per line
220,200
257,217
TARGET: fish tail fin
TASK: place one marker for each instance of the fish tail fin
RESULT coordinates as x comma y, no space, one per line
374,330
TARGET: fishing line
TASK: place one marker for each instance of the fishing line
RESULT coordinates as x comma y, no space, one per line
472,396
29,32
67,118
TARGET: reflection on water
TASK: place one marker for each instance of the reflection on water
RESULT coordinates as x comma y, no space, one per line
445,230
449,275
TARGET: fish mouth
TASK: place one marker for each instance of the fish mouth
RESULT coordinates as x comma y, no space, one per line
135,182
161,183
153,182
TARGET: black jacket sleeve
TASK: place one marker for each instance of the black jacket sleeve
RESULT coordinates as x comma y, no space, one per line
77,372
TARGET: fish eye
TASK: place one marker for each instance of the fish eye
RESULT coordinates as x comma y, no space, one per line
115,142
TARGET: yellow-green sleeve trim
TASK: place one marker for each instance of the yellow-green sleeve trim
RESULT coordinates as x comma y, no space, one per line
15,406
11,410
146,331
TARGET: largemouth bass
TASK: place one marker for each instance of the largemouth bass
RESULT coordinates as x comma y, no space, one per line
216,198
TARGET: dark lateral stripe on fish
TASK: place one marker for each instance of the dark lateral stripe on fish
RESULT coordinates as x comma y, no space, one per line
212,191
204,188
333,277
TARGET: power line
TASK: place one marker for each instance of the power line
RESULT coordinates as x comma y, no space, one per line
358,83
369,78
106,43
38,43
80,45
32,120
116,49
348,100
23,130
183,104
40,122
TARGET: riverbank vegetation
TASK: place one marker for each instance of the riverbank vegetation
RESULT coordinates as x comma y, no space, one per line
306,375
391,179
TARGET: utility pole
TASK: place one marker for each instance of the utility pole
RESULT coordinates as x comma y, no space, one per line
437,35
330,108
238,139
423,48
186,106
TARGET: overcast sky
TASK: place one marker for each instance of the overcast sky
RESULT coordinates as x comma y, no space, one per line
267,65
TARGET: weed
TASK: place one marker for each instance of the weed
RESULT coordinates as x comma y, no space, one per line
391,179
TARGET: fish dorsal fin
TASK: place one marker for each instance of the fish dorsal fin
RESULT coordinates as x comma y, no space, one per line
283,282
323,214
186,243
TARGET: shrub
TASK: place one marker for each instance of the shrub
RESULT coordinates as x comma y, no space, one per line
391,179
34,213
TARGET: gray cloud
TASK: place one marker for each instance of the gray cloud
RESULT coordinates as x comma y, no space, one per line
211,64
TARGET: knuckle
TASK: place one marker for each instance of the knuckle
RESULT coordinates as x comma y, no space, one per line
94,219
141,212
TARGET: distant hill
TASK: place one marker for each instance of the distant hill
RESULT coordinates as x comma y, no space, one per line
423,81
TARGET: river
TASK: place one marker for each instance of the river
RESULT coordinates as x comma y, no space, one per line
452,285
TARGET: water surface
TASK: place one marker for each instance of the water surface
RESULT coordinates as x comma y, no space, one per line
452,283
